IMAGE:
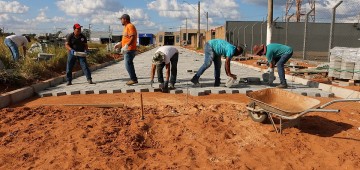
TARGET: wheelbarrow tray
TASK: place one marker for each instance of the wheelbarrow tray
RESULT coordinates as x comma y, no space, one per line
282,102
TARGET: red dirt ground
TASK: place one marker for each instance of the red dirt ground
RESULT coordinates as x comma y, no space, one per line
211,132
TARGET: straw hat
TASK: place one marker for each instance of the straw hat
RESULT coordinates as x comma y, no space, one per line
158,58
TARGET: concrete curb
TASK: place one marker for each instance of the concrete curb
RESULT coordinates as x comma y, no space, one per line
19,95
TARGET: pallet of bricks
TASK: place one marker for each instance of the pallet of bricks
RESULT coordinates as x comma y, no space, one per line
345,63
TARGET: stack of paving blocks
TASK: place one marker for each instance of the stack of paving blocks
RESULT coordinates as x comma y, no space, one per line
344,63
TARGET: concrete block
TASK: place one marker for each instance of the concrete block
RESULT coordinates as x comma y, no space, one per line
142,90
317,95
207,92
248,91
100,91
254,80
55,81
21,94
189,71
5,101
73,92
325,87
87,92
40,86
114,91
304,93
128,91
218,91
331,95
176,91
59,94
154,90
46,95
197,93
232,91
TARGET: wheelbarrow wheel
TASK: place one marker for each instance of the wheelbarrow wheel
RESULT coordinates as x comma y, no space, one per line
257,116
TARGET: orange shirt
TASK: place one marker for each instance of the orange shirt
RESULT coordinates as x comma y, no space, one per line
129,30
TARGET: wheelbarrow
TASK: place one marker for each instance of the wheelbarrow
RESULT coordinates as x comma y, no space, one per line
285,105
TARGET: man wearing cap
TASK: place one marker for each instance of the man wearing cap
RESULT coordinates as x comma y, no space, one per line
76,42
128,47
14,42
214,49
276,54
165,56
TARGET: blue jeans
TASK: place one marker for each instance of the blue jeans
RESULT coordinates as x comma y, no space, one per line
129,64
13,48
173,69
280,66
208,59
70,65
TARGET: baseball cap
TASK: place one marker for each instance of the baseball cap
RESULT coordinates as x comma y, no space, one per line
158,58
77,26
125,16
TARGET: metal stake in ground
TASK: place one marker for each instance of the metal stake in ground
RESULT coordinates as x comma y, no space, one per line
142,107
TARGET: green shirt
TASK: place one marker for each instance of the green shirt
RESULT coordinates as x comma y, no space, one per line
276,51
222,48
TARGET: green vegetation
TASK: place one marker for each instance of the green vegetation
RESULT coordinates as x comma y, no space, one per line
28,70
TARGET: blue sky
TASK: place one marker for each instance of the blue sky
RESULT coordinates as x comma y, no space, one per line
149,16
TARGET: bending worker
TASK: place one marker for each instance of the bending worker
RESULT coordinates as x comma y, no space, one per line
14,42
165,56
276,54
214,49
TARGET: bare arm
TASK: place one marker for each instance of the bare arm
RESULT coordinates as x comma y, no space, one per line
167,71
227,68
272,64
153,68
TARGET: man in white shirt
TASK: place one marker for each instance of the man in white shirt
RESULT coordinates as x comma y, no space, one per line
165,56
16,41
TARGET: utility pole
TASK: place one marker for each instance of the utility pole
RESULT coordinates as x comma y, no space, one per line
269,21
110,39
207,21
89,32
198,32
186,33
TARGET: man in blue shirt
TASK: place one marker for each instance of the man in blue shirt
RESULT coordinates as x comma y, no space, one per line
214,49
276,54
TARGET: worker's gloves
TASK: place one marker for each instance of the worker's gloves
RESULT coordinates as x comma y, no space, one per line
72,52
124,49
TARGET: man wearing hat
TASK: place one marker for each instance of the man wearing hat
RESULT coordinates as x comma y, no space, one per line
165,56
128,47
76,42
214,49
276,54
14,42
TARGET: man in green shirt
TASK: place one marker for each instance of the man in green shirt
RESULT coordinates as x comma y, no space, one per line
276,54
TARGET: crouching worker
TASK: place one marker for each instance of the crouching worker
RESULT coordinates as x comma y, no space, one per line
276,54
165,56
214,49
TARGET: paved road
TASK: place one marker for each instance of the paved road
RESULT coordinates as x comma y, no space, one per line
114,77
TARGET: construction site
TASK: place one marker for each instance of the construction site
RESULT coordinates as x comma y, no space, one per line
314,123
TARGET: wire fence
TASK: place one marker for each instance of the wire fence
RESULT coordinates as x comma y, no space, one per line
311,38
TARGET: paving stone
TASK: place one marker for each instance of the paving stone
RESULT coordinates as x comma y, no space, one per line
128,90
114,91
73,92
46,95
142,90
59,94
176,91
232,91
207,92
197,93
248,91
87,92
304,93
155,90
317,95
331,95
100,91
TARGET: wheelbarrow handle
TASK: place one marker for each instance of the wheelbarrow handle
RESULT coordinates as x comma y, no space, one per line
337,101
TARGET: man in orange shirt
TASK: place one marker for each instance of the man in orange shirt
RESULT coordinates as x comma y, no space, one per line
128,45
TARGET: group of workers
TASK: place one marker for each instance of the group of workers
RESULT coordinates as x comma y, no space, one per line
165,56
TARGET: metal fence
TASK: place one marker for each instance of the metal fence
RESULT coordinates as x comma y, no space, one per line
336,26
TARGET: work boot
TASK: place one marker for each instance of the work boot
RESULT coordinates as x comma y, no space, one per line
68,83
282,86
195,80
217,83
90,82
131,82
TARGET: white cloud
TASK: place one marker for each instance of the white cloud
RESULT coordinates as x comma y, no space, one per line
12,7
218,9
82,7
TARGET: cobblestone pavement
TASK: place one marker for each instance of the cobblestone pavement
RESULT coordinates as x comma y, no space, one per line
112,79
